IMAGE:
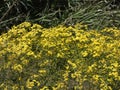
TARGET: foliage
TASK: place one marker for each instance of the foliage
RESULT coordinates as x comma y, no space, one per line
97,14
43,12
59,58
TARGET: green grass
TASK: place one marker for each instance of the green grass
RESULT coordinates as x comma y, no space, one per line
96,14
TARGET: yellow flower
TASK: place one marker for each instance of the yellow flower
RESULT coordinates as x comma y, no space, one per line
95,54
15,87
30,53
18,67
49,52
31,83
67,67
44,88
25,62
59,86
115,74
65,75
72,64
75,75
95,77
89,69
84,53
60,55
42,71
115,64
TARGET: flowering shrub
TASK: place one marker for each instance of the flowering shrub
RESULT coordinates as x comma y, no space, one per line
59,58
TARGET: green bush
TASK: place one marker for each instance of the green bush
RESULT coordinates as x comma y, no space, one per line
59,58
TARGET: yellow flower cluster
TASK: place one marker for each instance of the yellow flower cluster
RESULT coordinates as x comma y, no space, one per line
59,58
